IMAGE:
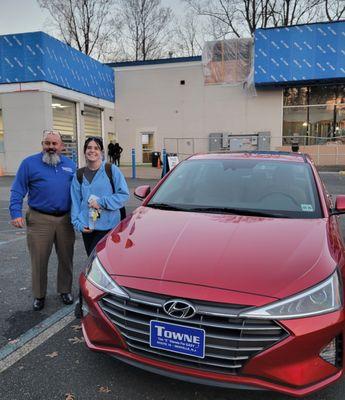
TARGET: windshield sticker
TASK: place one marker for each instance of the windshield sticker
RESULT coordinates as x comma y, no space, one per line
307,207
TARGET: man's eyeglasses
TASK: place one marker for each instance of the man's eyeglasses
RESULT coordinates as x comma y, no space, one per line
47,132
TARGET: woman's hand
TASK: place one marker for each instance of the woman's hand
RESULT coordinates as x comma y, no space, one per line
93,204
87,230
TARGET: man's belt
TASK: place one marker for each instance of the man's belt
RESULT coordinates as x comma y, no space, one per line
53,213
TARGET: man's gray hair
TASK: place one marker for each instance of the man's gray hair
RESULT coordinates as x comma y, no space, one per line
47,132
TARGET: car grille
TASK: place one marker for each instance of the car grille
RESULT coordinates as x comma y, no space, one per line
229,341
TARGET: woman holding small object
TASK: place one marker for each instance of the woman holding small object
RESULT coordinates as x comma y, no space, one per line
98,191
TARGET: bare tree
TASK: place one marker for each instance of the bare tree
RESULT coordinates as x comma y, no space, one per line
293,12
146,28
239,18
188,35
334,9
233,17
86,25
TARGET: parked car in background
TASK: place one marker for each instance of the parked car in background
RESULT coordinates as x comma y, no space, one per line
229,274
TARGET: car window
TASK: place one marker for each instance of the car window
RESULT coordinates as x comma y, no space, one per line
263,185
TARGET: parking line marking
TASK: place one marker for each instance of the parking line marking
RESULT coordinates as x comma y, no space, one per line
9,230
12,240
13,352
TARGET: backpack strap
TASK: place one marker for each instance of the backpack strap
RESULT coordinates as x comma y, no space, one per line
109,173
80,173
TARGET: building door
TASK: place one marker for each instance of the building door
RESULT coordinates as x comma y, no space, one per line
65,121
147,144
92,121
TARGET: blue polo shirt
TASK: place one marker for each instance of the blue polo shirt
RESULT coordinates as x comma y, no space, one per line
48,187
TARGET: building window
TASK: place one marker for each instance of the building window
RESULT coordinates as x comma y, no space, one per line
2,149
296,96
92,121
294,122
147,142
322,117
65,121
340,120
322,94
321,120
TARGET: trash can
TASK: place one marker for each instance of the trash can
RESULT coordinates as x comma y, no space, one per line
155,157
295,143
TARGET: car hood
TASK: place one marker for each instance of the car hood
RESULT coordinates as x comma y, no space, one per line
263,256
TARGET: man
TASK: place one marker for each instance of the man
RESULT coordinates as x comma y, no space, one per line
111,148
117,154
46,178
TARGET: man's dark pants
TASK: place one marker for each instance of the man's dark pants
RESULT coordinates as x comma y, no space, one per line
42,232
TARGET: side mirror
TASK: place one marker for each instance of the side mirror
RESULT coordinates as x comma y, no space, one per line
339,205
141,192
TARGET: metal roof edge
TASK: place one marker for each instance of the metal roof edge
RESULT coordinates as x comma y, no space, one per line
305,24
153,62
283,84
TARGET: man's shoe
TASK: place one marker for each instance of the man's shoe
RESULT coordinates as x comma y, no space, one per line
67,298
38,304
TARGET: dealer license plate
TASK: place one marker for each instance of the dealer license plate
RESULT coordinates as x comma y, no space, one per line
177,338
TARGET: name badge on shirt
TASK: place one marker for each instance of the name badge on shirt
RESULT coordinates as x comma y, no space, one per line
68,169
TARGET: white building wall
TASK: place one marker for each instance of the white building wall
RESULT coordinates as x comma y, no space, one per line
109,122
151,98
27,112
25,116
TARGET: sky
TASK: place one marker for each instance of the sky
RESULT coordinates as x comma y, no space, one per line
19,16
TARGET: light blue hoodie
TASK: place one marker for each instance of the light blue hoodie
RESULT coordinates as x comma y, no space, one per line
110,202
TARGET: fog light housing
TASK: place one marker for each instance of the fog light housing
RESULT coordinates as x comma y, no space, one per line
333,352
84,308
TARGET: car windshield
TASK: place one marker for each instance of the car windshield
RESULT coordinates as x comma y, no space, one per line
240,186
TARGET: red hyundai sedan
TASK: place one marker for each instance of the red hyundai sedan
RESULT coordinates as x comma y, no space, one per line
229,274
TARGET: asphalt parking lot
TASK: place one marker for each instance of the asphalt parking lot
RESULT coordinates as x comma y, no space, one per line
54,363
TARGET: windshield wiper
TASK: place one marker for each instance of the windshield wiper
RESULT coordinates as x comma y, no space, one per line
217,210
165,206
238,211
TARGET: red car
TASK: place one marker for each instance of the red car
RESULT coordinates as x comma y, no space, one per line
229,274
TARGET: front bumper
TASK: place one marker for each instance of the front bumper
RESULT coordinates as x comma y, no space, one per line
292,366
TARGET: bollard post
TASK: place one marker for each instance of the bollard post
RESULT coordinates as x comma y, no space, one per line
165,160
133,165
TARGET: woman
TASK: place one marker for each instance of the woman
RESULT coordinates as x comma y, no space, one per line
95,205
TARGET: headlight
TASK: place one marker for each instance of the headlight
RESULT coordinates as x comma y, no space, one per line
321,299
97,275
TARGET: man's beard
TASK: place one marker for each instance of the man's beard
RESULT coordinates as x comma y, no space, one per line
52,159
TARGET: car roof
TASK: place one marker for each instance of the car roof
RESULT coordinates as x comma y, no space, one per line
254,155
